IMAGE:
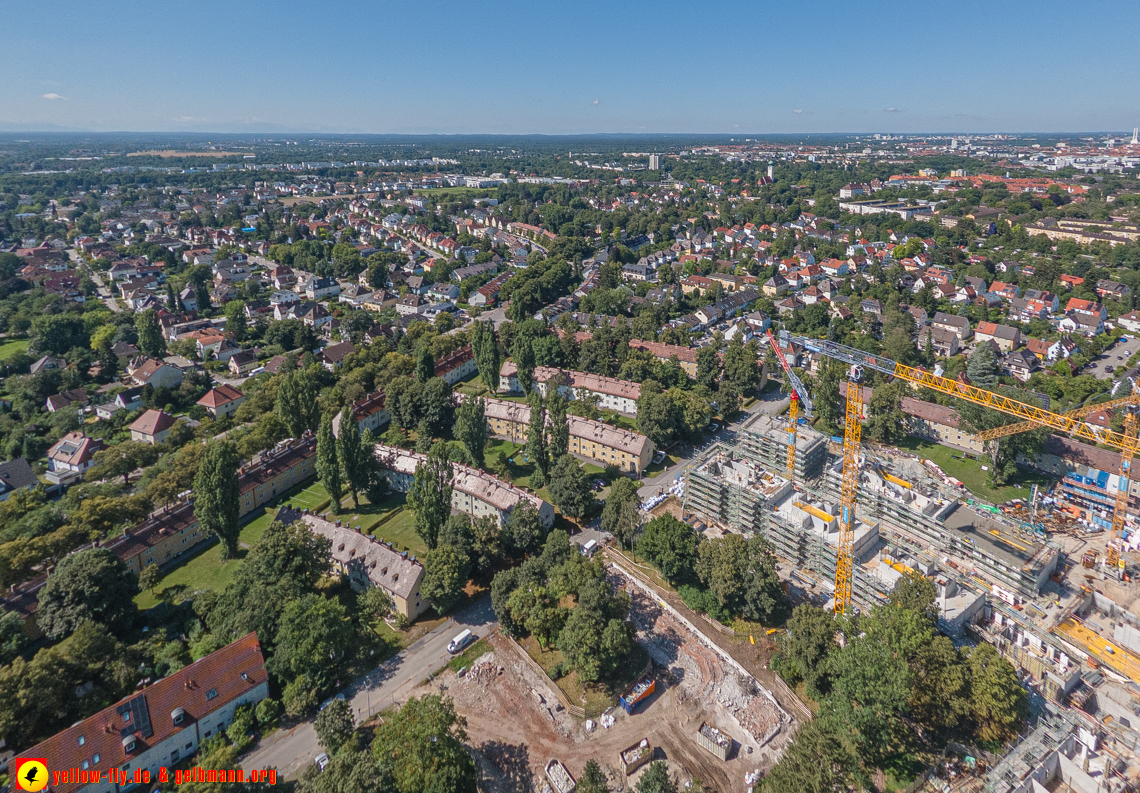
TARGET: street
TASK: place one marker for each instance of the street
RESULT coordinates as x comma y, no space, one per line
388,684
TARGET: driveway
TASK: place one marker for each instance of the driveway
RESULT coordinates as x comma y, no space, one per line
1115,356
390,683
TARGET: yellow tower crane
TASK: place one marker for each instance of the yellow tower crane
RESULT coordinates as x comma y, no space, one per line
860,361
1112,552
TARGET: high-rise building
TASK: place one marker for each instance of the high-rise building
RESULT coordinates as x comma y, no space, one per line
655,162
1135,136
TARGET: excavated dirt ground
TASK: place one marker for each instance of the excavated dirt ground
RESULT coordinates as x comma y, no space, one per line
516,725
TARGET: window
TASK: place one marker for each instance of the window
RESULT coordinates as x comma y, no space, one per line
174,756
127,717
189,745
95,760
82,740
85,765
213,692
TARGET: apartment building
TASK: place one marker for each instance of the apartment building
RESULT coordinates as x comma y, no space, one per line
457,365
686,356
765,442
161,724
592,440
367,561
474,492
369,413
611,394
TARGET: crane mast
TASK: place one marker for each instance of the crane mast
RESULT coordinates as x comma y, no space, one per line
844,559
1112,552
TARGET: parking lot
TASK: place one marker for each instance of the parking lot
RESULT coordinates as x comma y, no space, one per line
1115,356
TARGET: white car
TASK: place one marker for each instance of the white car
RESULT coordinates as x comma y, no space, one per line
322,761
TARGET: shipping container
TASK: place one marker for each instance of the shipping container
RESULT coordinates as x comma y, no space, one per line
634,757
714,740
639,692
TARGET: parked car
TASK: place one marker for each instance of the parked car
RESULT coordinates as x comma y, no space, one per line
461,640
322,760
330,701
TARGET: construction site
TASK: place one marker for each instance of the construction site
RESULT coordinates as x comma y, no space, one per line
1045,579
698,691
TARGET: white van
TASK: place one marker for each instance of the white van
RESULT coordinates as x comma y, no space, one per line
461,640
589,548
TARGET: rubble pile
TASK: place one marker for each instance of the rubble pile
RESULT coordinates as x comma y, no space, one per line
484,670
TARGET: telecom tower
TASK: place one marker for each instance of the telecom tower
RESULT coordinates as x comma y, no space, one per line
1135,136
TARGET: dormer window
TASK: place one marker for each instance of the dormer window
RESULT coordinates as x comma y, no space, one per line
178,715
213,692
129,744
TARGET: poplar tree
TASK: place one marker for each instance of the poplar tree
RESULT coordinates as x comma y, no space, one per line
151,341
485,349
556,405
217,496
328,467
536,441
354,456
471,428
430,495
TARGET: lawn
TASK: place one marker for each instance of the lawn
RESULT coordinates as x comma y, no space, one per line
970,471
204,570
8,348
401,533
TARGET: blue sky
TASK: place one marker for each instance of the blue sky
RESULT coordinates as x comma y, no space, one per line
570,67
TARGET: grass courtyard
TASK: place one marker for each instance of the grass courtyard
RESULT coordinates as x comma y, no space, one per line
10,347
970,472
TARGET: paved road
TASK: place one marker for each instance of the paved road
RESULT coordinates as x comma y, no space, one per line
390,683
1116,356
104,293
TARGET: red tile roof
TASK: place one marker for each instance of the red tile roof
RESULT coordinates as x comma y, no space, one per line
152,422
199,689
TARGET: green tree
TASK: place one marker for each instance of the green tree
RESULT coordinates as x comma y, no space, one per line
314,635
446,570
471,428
429,497
741,365
916,592
556,406
817,761
593,645
151,340
121,459
335,725
656,779
569,487
523,531
356,460
522,351
886,422
58,333
536,441
742,575
347,772
708,366
671,547
217,495
657,414
537,611
375,603
616,519
92,585
236,322
983,368
328,466
869,691
296,402
13,640
998,703
486,543
485,349
421,747
149,578
808,644
425,364
825,398
592,779
940,692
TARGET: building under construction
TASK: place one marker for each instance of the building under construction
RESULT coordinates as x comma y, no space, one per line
765,442
736,492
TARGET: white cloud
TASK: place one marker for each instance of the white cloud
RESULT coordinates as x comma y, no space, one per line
798,111
595,102
890,110
53,96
